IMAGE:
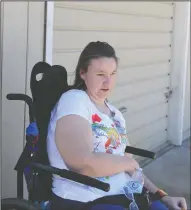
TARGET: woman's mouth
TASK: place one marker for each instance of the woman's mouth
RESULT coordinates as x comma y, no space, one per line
105,90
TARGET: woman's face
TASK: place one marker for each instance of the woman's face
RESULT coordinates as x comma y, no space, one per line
100,77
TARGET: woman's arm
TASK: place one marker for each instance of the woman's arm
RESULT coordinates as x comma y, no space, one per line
147,183
74,141
150,185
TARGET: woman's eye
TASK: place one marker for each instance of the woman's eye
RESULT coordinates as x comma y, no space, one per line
102,74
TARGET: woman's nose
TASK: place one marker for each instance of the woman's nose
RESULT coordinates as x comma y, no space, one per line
107,80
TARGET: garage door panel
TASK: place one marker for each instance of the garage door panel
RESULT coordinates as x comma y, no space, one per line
127,57
152,142
147,131
141,103
64,40
138,89
139,73
141,34
142,56
68,60
92,20
136,121
147,8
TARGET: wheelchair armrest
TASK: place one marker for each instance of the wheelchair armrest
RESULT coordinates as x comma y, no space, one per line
73,176
140,152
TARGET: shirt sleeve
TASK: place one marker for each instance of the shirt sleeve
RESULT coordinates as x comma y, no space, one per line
73,103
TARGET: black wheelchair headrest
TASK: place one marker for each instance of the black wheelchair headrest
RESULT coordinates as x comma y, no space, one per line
39,69
53,79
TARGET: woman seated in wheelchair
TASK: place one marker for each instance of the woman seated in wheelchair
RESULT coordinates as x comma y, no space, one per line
87,134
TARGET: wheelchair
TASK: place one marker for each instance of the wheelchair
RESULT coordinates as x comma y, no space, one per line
33,163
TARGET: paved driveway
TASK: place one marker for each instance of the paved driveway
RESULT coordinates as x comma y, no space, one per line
171,171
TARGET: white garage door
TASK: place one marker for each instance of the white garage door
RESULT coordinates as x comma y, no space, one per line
141,33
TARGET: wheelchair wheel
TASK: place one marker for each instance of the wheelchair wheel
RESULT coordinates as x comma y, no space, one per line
17,204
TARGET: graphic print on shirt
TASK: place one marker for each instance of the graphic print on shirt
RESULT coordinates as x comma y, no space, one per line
109,136
101,130
115,134
121,131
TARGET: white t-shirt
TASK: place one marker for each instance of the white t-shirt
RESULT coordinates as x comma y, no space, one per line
109,136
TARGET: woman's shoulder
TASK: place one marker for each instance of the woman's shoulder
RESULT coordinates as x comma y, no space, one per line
73,102
74,96
75,92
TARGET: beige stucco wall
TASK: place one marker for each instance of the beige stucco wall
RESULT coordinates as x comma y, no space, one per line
22,47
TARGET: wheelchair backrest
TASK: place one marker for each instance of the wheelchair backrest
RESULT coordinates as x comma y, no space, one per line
46,92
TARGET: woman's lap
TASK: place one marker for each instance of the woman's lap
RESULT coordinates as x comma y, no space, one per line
59,203
65,204
106,207
157,205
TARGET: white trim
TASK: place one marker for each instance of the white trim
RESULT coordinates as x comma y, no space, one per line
184,74
179,70
49,31
1,73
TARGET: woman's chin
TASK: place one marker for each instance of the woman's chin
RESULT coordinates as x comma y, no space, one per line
103,94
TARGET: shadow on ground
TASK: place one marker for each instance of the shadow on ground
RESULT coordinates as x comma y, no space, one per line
171,171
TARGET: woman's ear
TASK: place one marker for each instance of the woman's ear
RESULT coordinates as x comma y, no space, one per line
82,74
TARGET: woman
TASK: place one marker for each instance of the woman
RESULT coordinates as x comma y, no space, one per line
87,135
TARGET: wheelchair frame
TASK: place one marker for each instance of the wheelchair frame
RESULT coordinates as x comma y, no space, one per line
15,202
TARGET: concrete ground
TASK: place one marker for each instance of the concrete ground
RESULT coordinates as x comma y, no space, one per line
171,171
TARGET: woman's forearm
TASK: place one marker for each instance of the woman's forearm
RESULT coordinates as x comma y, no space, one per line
103,164
149,185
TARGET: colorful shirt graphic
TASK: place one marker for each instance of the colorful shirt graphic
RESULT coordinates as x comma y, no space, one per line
115,135
109,136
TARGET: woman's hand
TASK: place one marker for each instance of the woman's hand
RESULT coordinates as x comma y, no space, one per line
134,165
175,203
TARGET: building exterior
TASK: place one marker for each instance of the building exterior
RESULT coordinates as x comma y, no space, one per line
151,39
